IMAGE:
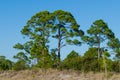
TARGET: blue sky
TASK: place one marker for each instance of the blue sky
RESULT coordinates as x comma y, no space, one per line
15,13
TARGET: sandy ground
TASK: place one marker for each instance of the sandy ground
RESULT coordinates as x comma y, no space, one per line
55,75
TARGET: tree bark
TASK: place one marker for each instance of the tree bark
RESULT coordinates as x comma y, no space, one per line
59,41
98,46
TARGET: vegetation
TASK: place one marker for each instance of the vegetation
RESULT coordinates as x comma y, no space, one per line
5,64
36,52
54,75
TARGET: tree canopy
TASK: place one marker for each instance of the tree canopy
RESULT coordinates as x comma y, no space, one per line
61,28
99,32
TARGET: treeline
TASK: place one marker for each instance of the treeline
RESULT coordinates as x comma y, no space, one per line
73,61
45,26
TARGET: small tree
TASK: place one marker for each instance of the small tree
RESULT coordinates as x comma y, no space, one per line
20,65
114,44
89,61
5,64
72,61
99,32
23,61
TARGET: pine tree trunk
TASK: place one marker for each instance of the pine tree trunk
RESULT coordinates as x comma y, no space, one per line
59,41
98,46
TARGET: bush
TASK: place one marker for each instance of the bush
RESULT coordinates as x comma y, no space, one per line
20,65
72,61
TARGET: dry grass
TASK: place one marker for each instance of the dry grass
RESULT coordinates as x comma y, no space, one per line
54,75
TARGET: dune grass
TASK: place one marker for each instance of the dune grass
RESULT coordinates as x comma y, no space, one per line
50,74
